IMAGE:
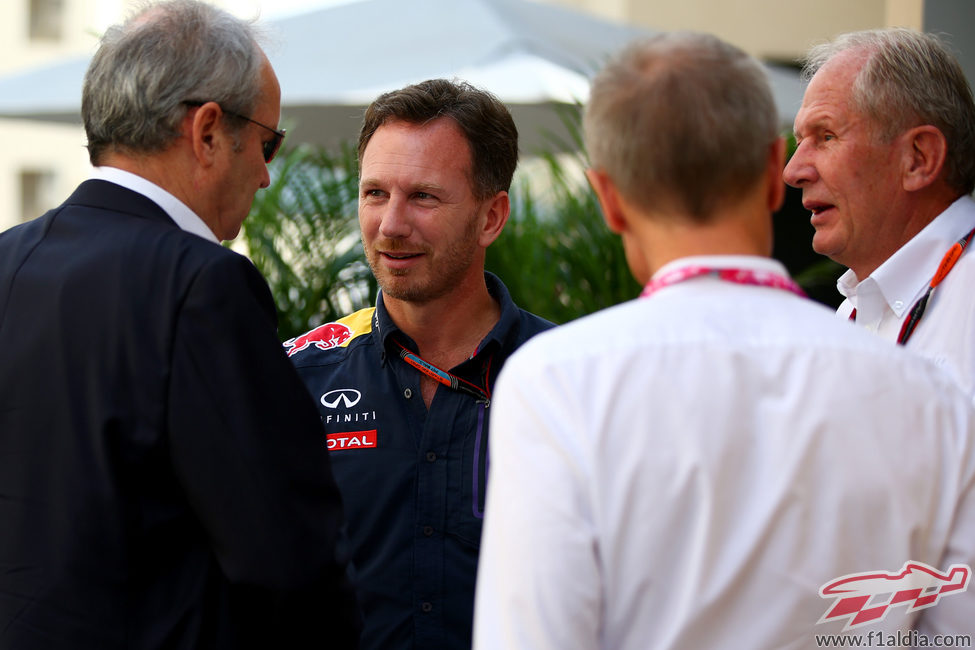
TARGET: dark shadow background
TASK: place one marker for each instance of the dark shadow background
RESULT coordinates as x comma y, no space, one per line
792,245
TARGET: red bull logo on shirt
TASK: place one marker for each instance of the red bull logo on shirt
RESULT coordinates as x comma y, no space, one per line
916,585
324,337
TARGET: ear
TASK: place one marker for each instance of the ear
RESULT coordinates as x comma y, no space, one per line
925,150
773,175
609,199
496,211
206,132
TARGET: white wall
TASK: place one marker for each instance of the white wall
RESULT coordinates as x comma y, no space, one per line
771,29
80,21
55,149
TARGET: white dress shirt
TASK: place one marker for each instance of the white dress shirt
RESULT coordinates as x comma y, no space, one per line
178,211
687,470
883,300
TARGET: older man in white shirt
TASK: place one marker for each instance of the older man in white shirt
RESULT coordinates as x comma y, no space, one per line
886,163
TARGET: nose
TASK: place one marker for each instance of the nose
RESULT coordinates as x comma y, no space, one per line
800,169
266,178
394,222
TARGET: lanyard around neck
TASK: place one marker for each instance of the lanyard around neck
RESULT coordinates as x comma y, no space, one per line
737,276
944,268
445,378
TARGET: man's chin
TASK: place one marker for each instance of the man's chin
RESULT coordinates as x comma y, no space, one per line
228,232
410,295
397,285
824,244
412,291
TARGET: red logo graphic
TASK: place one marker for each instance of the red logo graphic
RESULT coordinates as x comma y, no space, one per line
351,440
323,337
917,585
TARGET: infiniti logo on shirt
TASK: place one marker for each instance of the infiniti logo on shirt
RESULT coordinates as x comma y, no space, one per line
347,397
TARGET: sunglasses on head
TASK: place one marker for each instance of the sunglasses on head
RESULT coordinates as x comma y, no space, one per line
270,148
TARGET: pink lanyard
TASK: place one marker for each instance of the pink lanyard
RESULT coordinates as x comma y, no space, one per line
738,276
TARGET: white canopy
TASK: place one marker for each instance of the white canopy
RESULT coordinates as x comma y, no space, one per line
333,61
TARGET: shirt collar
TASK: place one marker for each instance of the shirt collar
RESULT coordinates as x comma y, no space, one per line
750,262
178,211
510,316
384,326
904,276
846,284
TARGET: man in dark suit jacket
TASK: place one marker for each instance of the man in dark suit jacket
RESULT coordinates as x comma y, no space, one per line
164,479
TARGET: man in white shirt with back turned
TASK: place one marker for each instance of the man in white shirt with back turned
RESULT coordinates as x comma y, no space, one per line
715,464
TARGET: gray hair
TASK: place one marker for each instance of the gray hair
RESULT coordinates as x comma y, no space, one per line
168,53
910,78
681,120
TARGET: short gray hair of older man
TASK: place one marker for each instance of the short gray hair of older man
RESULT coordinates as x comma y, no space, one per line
681,121
145,69
909,79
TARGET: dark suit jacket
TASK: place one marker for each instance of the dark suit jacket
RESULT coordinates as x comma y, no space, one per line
164,480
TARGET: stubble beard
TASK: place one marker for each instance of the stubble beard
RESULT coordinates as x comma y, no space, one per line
440,273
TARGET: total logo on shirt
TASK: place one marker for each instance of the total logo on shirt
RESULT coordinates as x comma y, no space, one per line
351,440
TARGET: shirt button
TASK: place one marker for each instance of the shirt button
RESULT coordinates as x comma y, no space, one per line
428,530
427,607
898,305
431,457
407,393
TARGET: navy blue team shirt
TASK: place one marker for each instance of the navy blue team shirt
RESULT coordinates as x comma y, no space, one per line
412,480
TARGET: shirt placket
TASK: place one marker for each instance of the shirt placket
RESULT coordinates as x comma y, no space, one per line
430,524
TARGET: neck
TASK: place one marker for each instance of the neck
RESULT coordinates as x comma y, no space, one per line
917,215
704,241
738,230
167,169
447,330
157,168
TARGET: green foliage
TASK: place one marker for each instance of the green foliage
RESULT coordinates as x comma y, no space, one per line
303,235
556,255
818,279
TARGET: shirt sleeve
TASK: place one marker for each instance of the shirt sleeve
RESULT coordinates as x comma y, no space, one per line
248,447
952,613
538,583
